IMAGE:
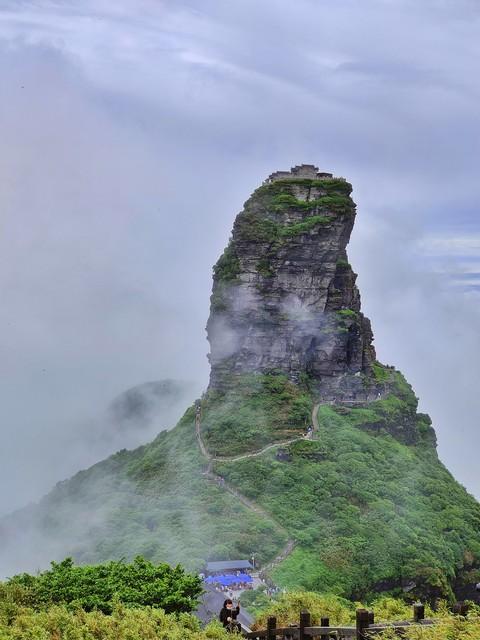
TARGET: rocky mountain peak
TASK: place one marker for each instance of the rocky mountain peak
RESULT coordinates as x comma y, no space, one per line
284,296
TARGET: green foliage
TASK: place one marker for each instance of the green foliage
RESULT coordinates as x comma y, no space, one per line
264,230
264,267
286,608
140,583
381,373
228,265
347,313
395,413
447,627
255,228
292,230
263,219
328,186
146,623
256,410
258,229
363,507
255,601
58,622
336,203
341,612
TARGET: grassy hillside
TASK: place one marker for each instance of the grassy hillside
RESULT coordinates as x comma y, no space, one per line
367,511
253,412
154,501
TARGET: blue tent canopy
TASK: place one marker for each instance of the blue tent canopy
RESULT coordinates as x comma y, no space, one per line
228,579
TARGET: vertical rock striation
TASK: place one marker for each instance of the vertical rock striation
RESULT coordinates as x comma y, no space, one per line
284,295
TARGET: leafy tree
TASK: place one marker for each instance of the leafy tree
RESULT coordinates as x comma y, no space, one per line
140,583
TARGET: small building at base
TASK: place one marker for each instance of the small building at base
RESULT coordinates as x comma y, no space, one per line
226,566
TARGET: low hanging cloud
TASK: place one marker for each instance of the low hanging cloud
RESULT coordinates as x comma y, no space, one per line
132,134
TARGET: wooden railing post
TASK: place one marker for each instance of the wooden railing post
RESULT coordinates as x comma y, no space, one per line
418,612
304,622
271,626
324,622
371,617
362,620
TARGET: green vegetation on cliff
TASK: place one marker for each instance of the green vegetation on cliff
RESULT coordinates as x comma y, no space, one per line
255,411
227,266
330,187
262,220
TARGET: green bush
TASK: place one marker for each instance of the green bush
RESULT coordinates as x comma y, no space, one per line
286,608
228,265
59,623
255,601
340,612
292,230
140,583
347,313
260,220
380,372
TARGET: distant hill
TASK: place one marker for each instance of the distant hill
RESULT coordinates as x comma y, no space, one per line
305,450
141,406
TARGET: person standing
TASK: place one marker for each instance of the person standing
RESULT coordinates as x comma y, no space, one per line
228,616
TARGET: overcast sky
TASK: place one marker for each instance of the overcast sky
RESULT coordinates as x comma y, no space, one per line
132,131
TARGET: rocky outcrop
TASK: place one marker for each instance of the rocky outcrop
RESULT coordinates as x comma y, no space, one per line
284,295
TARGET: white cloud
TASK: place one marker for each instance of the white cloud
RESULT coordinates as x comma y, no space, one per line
451,245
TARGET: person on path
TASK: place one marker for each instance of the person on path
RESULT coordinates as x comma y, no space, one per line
228,617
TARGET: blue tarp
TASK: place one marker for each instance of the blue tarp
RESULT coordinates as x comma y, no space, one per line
228,579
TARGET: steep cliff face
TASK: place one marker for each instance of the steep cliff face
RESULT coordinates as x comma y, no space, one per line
284,295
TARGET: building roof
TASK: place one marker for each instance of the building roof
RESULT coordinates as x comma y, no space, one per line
228,565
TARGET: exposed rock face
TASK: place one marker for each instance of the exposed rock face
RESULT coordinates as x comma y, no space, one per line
284,295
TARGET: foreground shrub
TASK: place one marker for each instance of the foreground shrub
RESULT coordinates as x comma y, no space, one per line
288,606
342,612
140,583
146,623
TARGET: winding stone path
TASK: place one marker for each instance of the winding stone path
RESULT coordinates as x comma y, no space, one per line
247,502
243,456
